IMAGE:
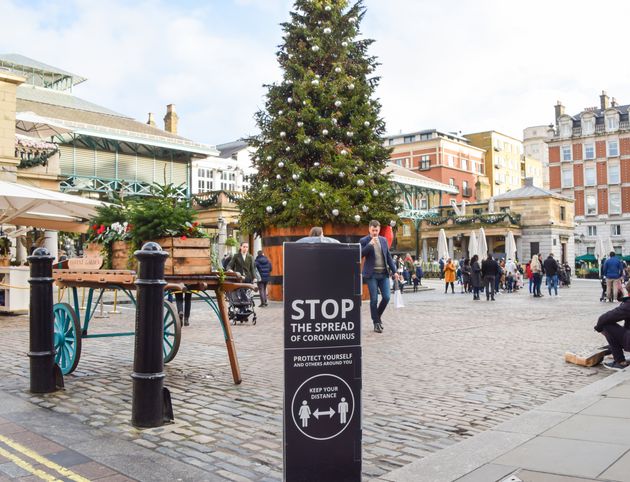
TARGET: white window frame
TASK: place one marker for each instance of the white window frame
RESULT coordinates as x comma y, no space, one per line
564,183
450,160
566,128
617,168
592,147
612,122
563,151
592,169
608,149
617,210
615,230
586,207
588,125
592,230
464,164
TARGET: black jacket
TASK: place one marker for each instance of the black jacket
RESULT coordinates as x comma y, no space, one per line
263,265
550,266
490,267
621,313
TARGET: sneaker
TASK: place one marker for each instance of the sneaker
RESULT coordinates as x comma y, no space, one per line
380,325
613,365
377,328
186,322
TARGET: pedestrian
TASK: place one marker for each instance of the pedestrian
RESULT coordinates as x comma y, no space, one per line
530,277
511,272
536,268
490,270
466,273
617,336
419,273
441,263
449,276
475,276
377,269
226,260
183,301
243,263
263,265
416,282
550,267
613,272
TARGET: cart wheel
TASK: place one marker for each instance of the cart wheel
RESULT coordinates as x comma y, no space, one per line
172,332
67,337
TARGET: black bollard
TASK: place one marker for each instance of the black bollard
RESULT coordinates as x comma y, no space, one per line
46,376
151,401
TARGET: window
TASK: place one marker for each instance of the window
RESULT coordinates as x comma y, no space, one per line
465,185
590,251
567,177
613,174
407,162
613,148
589,151
406,230
408,139
566,153
424,203
588,126
592,230
590,176
464,164
534,248
614,203
618,250
566,128
451,181
612,122
563,213
615,230
591,204
451,161
425,162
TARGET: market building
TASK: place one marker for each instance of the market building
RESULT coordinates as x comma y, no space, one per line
589,161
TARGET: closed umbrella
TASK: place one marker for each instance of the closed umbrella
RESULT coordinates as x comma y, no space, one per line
483,244
473,246
510,246
442,245
608,246
600,250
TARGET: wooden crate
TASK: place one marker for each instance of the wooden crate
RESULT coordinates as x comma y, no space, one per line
186,256
101,276
121,253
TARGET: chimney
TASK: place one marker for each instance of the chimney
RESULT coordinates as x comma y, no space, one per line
559,110
613,102
171,119
529,181
604,101
151,120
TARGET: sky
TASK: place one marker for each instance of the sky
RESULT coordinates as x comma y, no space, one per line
454,65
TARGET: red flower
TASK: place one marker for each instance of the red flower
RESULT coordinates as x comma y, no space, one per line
95,227
195,224
184,238
101,230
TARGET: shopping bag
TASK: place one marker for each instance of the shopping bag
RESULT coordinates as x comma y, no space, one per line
398,299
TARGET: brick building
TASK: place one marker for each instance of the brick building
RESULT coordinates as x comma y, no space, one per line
589,160
448,158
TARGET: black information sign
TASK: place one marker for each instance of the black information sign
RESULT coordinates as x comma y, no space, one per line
322,362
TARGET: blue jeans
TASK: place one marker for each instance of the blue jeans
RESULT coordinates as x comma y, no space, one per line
378,282
552,283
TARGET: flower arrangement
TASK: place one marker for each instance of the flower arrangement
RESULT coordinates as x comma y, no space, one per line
103,234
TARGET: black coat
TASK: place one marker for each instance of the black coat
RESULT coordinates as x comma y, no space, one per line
243,266
550,266
621,313
490,267
476,275
263,265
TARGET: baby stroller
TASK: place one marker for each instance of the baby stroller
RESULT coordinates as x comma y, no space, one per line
241,305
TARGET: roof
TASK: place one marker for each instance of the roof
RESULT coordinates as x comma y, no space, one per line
60,99
18,62
226,150
406,176
529,192
598,112
450,135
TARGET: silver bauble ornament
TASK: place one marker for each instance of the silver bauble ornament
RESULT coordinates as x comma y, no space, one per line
344,44
280,112
288,149
344,152
375,192
365,208
342,174
314,48
284,203
315,82
317,76
350,133
337,103
281,164
334,121
278,176
392,223
360,182
352,20
301,206
327,30
300,124
269,158
335,212
303,102
307,140
290,100
295,177
325,132
316,164
366,124
351,86
283,134
322,194
338,69
328,8
269,209
357,218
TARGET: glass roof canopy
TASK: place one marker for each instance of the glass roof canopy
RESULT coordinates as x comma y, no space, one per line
40,74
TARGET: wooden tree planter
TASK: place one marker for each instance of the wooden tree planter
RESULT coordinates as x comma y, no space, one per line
273,238
186,256
122,256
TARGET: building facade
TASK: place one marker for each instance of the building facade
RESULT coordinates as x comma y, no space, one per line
504,163
534,170
444,157
535,147
589,160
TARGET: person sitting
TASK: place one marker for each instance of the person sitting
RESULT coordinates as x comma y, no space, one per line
618,336
316,235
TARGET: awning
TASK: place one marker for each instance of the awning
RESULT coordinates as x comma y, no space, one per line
587,258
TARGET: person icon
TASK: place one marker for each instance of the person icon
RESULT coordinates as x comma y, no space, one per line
342,409
304,414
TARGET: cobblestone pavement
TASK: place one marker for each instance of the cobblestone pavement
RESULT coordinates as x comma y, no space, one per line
445,369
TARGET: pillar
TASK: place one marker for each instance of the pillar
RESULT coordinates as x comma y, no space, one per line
257,245
519,249
8,161
451,248
20,247
425,250
222,226
51,240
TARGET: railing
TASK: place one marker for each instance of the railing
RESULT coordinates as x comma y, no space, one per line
211,198
600,129
100,185
514,219
577,131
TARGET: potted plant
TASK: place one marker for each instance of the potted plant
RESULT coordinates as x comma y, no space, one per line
109,234
5,251
170,221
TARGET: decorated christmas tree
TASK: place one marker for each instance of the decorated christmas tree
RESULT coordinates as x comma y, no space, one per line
320,154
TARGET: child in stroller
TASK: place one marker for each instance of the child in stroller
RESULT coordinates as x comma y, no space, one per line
241,305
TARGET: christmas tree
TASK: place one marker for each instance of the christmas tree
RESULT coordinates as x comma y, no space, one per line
320,154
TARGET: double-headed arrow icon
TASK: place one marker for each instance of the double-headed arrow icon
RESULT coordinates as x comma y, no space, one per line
317,413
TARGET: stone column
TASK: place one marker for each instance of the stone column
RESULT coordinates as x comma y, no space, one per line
20,248
425,250
51,242
222,225
8,161
519,249
451,248
257,245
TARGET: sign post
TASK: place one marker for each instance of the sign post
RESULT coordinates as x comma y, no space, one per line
322,362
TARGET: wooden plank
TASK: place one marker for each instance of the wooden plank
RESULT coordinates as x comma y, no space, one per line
588,357
191,243
229,341
191,253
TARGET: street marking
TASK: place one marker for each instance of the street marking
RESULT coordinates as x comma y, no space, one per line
42,460
28,467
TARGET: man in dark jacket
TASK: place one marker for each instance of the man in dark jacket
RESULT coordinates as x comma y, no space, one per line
263,265
490,269
612,270
550,267
618,336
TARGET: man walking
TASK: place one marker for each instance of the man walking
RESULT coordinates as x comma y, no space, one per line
551,270
490,270
263,265
377,269
612,270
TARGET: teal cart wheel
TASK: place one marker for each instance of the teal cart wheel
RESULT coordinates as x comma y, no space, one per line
172,331
67,337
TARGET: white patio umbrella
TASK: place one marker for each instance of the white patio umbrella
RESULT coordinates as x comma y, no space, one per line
482,244
600,249
510,246
608,246
442,245
473,246
30,206
33,125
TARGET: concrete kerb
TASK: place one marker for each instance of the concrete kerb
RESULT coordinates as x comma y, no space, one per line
469,455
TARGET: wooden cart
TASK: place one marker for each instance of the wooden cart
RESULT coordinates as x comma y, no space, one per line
69,333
